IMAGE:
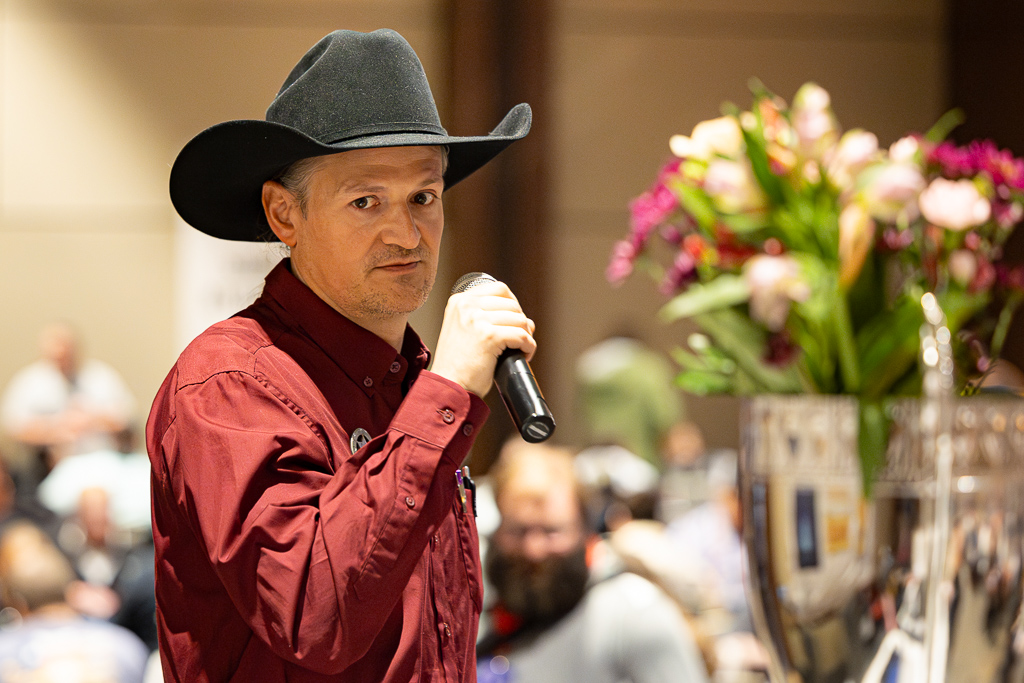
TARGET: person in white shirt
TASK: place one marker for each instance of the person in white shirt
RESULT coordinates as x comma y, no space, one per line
63,404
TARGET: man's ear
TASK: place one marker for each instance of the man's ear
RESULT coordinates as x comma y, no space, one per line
282,211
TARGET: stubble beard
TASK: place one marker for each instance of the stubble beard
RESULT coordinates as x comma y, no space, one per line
407,294
388,305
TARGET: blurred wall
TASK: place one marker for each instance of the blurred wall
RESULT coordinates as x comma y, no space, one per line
97,97
631,73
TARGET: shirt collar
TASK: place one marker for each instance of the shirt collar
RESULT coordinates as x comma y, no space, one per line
366,358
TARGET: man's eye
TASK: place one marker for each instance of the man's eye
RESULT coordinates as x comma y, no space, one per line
424,198
363,202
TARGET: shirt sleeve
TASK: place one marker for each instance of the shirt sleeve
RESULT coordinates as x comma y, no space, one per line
315,560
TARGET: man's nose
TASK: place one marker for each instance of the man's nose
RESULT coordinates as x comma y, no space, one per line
536,546
401,229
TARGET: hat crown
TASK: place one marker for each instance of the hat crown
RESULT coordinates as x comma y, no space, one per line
353,84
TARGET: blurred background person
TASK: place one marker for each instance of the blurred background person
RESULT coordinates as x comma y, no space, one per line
710,536
46,639
627,396
102,502
628,404
683,484
564,610
63,404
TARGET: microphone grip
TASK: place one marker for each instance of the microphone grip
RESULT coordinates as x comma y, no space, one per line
522,397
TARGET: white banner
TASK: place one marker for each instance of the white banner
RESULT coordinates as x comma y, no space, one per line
214,278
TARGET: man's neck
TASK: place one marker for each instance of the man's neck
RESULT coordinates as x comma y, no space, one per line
390,329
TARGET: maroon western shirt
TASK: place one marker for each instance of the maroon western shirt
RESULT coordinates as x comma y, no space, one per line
280,553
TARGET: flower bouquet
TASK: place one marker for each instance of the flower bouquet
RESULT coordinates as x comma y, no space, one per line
801,252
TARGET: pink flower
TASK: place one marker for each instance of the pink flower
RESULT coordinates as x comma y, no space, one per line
682,271
857,148
774,283
984,278
895,239
963,266
1011,277
620,266
815,124
954,204
892,191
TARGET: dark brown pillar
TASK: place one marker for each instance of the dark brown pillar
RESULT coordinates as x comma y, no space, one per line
496,220
986,81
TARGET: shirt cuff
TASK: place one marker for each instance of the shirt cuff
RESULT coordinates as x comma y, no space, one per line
440,412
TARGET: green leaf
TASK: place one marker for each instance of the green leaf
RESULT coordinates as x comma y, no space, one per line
744,341
745,223
872,440
888,347
941,129
702,383
697,203
725,290
762,169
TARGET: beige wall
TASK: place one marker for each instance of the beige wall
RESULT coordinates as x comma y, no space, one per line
97,97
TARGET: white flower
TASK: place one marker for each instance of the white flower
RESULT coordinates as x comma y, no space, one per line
905,150
963,266
733,187
774,283
715,137
815,124
954,204
892,192
856,149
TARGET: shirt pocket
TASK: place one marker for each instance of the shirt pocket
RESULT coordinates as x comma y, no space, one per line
469,549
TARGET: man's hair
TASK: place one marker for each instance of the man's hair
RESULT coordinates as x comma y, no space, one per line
296,176
33,571
532,468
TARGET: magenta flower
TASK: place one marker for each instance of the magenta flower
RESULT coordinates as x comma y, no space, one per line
979,156
648,211
682,272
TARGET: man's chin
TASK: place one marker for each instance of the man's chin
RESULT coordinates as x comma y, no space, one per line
389,305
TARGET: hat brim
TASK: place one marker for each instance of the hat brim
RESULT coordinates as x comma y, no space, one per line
217,179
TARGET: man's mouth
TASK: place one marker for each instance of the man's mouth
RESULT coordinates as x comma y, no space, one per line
399,266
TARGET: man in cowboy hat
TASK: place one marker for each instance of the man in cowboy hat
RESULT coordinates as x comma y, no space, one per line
309,521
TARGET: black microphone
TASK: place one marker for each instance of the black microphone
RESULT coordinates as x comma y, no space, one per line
515,381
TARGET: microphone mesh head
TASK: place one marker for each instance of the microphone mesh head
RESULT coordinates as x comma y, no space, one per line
470,280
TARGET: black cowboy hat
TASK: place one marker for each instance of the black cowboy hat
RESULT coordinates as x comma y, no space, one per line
350,91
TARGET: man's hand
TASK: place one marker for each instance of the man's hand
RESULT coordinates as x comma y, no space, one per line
478,325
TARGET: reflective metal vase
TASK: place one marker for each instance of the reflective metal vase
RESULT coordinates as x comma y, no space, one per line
918,580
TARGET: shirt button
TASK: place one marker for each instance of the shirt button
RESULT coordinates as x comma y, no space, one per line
396,366
437,538
367,382
447,415
467,429
410,501
447,630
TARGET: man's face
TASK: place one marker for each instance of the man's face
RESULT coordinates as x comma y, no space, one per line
367,242
537,561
